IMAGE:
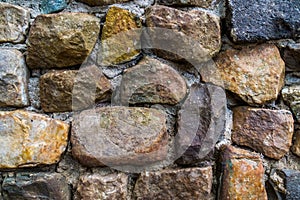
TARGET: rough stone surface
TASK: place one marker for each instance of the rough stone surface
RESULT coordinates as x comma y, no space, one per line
291,95
291,57
242,175
200,3
177,35
119,136
13,28
30,139
50,6
61,40
292,184
100,187
292,79
36,186
267,131
253,20
120,37
201,122
101,2
296,144
69,90
255,74
190,183
13,78
152,81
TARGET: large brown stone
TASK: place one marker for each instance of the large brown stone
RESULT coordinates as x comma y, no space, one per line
13,78
199,3
61,40
101,2
291,95
267,131
119,136
190,183
14,21
152,81
242,175
255,74
296,144
29,139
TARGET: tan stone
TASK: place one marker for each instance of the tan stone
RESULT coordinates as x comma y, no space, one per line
291,95
101,2
296,143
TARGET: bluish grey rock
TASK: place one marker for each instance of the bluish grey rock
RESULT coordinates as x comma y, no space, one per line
292,184
50,6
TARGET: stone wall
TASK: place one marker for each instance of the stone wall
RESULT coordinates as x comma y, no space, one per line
145,99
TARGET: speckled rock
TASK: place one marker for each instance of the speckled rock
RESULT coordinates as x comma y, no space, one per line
242,175
26,186
291,95
30,139
13,28
255,74
50,6
101,187
61,40
152,81
252,20
189,183
201,121
177,35
13,78
296,143
291,57
101,2
199,3
266,131
69,90
120,37
292,183
119,136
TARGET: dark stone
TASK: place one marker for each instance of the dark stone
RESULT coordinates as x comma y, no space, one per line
292,184
291,57
50,6
292,78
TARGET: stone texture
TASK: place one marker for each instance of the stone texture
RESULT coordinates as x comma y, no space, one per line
201,121
242,175
101,187
291,95
29,139
292,184
291,57
13,28
266,131
152,81
292,79
50,6
190,183
101,2
255,74
28,186
61,40
120,37
199,3
296,144
177,35
13,78
252,20
119,136
69,90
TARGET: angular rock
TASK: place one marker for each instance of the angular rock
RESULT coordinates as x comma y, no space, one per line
99,187
68,90
14,21
201,122
102,2
199,3
190,183
152,81
120,39
13,78
30,139
291,95
291,57
292,183
296,144
50,6
266,131
61,40
177,35
36,186
115,136
242,175
255,74
252,20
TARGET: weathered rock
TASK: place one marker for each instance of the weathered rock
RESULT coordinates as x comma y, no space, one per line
266,131
292,79
152,81
242,175
296,144
252,20
291,57
190,183
291,95
115,136
201,122
61,40
50,6
30,139
292,183
255,74
69,90
36,186
177,35
101,2
120,39
13,78
100,187
14,21
199,3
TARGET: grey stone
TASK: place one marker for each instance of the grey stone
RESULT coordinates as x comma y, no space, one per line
200,3
291,57
292,79
34,91
291,95
292,184
50,6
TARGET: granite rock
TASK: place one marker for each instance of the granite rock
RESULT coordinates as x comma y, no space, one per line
291,95
198,3
292,183
50,6
101,2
